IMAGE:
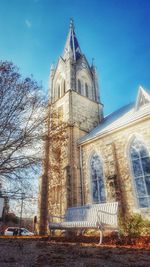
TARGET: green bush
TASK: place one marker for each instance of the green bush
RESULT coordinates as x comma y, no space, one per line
134,225
146,227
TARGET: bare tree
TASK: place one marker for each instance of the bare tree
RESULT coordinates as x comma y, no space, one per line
21,123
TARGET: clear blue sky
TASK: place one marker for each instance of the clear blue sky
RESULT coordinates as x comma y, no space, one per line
116,33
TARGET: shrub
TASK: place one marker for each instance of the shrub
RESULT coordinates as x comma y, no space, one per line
132,225
146,227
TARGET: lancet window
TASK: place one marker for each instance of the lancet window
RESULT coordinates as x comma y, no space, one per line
140,163
97,179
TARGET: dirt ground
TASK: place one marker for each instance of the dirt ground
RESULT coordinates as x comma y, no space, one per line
43,253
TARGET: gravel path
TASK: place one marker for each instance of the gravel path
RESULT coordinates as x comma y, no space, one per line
34,253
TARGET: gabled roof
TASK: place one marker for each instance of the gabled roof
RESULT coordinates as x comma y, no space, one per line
142,98
72,46
118,119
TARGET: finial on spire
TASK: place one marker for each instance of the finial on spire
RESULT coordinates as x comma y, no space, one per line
52,67
71,23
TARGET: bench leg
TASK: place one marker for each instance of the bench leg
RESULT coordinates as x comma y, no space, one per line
100,227
52,232
100,237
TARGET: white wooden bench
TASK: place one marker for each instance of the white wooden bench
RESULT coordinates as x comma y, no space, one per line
96,216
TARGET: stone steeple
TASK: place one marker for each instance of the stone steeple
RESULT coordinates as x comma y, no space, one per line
74,73
75,107
72,48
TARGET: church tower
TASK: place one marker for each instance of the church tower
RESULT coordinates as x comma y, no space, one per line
74,110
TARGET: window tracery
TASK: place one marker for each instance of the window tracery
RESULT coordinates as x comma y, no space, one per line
79,86
140,162
97,181
63,87
58,91
86,90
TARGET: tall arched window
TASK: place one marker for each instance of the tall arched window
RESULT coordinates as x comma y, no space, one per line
58,91
97,182
86,90
79,86
140,162
63,87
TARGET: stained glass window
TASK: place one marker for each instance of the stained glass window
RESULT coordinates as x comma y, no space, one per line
58,91
86,90
63,87
140,162
79,86
97,182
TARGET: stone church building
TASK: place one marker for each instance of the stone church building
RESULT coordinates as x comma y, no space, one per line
90,158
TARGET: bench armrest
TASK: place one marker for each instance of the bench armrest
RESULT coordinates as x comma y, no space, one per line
104,217
106,212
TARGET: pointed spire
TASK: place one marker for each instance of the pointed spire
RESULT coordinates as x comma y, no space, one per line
72,48
71,24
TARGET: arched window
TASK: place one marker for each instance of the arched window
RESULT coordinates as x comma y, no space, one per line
63,87
140,163
86,90
58,91
79,86
97,182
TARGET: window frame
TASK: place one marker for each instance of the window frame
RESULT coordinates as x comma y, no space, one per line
79,86
101,178
142,176
86,90
58,91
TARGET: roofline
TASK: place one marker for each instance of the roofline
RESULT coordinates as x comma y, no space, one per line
113,130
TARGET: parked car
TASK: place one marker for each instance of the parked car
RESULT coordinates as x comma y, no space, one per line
17,231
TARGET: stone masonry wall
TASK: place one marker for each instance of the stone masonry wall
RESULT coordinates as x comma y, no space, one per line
113,150
85,112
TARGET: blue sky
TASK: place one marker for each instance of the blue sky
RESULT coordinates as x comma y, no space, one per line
116,33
